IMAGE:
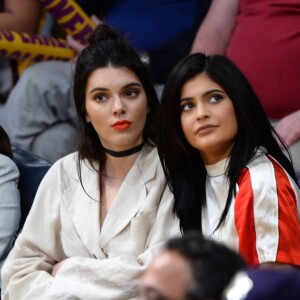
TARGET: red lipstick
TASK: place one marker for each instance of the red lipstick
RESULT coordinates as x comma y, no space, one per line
121,125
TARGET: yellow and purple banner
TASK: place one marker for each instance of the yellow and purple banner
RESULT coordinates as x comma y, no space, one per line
33,47
71,17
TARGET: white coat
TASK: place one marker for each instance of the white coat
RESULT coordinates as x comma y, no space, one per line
64,223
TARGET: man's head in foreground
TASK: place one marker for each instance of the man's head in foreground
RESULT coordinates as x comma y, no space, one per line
190,267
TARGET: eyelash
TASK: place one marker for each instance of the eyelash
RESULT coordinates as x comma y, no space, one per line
135,92
212,99
98,96
128,94
185,107
220,97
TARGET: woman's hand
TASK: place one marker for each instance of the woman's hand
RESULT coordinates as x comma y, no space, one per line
57,267
75,45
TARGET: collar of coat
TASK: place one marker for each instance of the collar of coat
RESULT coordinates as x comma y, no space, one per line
83,205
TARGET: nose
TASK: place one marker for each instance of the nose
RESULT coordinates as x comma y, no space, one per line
202,111
118,106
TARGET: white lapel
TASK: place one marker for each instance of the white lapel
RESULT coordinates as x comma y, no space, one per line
83,207
130,196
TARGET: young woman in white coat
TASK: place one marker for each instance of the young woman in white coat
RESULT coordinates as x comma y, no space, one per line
101,213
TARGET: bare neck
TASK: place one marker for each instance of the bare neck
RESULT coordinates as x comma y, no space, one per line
118,167
111,178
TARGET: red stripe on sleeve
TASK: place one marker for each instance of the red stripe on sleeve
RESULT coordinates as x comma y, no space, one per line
289,227
244,219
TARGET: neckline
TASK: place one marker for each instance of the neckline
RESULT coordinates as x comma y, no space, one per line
218,168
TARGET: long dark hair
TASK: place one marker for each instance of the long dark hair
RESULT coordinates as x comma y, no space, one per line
5,144
107,48
183,166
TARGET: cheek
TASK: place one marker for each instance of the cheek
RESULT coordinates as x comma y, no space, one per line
229,118
186,125
142,112
95,117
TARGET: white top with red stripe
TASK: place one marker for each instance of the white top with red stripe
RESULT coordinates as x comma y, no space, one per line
263,219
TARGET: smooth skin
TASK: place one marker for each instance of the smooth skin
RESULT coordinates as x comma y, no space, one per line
115,94
208,118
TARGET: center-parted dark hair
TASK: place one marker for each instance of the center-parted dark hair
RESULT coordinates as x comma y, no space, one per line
213,264
183,166
108,49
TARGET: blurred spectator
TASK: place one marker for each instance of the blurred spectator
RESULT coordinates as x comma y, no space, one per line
263,39
10,212
190,267
40,111
16,15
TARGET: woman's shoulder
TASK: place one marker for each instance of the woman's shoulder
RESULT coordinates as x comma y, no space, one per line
66,168
68,160
265,169
260,161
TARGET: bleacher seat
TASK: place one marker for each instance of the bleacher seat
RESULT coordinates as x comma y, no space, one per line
32,170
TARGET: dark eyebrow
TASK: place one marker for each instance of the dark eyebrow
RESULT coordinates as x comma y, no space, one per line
131,84
207,93
98,89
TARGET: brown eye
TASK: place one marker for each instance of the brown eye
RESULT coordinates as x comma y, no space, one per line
132,93
215,98
100,97
187,106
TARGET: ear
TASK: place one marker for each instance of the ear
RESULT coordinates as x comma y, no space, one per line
87,119
148,109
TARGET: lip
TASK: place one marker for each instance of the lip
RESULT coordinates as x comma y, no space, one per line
204,129
121,125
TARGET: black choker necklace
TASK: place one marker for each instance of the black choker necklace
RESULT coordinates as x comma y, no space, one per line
124,152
